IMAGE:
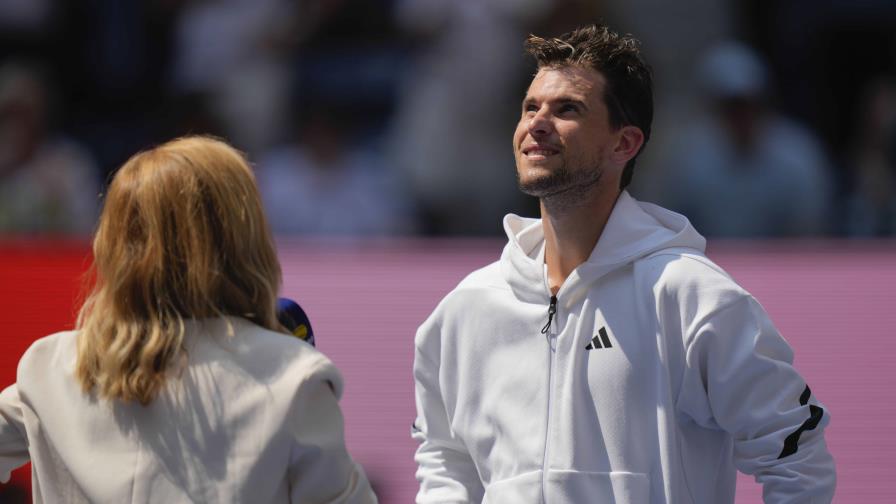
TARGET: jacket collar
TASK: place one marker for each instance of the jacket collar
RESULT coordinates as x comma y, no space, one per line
634,230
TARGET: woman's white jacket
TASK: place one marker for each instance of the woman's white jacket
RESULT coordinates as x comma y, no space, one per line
252,417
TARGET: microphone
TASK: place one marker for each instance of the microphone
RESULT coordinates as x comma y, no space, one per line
293,317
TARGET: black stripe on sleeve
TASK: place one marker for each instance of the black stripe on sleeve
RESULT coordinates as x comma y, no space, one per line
791,443
804,397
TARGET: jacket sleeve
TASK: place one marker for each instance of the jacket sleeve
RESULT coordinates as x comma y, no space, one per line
321,469
13,441
739,377
445,470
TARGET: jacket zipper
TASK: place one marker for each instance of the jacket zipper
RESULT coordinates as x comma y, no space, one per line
552,310
546,330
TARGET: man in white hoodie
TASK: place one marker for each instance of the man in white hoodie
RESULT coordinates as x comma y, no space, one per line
604,358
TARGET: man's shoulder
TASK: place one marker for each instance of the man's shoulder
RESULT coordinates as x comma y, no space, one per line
683,270
474,290
486,277
480,284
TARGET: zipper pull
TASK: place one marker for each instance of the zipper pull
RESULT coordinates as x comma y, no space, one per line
552,309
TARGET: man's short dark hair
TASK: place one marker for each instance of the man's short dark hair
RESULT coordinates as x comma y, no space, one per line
628,93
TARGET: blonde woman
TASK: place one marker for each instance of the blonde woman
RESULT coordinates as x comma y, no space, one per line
178,384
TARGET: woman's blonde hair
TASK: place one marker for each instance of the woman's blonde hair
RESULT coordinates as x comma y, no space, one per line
182,236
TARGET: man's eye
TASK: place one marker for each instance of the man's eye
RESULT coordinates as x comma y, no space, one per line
568,108
530,108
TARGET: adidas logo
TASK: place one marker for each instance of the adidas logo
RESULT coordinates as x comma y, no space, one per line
600,340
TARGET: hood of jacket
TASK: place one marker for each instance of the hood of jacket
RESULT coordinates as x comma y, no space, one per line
635,229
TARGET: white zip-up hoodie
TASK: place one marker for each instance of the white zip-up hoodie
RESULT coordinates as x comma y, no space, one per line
655,378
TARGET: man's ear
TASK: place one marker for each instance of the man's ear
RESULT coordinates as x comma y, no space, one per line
631,138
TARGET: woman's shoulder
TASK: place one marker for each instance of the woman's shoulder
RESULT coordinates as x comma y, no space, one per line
45,366
50,352
272,357
250,338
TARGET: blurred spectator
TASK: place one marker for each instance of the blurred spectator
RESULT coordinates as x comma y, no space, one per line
109,62
330,178
48,183
674,35
744,170
872,205
351,53
825,53
322,183
450,136
24,21
228,52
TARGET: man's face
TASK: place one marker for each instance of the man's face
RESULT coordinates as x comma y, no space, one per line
564,134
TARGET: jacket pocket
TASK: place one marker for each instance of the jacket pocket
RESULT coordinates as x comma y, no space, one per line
576,487
523,488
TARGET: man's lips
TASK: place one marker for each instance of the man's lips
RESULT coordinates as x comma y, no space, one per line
543,150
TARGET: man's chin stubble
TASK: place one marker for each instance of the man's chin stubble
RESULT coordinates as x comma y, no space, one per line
560,189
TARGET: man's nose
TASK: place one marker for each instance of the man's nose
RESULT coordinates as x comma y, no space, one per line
540,124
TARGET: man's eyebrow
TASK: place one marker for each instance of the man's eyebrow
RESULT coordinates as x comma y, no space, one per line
560,101
573,101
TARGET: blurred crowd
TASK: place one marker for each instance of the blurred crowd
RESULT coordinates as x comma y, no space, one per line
394,117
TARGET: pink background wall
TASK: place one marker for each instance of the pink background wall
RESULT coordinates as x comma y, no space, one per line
834,302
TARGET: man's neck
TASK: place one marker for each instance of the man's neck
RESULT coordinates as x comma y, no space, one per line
571,233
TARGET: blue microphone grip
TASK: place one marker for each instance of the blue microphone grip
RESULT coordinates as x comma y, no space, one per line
293,317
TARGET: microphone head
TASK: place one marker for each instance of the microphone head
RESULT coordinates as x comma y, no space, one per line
293,317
